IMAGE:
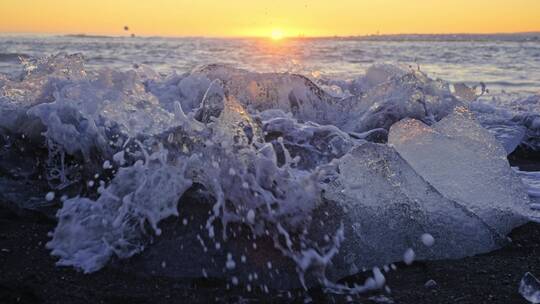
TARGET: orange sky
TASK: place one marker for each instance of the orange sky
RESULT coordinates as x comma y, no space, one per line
261,18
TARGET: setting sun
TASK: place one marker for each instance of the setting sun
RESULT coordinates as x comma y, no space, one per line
277,34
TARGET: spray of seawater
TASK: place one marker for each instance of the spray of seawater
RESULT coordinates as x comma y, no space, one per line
276,154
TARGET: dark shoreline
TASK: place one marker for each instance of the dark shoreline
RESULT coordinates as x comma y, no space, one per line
28,275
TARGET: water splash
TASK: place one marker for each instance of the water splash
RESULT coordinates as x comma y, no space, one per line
272,153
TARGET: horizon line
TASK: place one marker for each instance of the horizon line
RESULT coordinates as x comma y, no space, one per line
116,35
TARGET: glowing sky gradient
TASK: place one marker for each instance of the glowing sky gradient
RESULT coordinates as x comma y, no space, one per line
262,18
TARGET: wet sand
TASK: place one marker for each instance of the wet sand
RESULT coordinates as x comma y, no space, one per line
28,275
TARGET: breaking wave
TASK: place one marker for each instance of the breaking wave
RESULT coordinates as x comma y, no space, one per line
271,174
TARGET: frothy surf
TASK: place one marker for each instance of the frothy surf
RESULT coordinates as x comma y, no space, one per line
327,177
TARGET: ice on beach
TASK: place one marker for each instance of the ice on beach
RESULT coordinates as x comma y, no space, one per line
405,94
430,284
274,153
86,114
466,164
386,206
531,181
264,91
510,135
529,288
513,119
312,143
375,75
532,184
385,95
17,96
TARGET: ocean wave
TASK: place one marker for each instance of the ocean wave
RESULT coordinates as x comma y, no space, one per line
515,37
328,183
12,57
88,36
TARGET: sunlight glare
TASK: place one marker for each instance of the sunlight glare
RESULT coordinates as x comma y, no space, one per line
277,34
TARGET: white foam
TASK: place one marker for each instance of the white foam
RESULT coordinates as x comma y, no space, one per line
263,146
427,239
408,256
50,196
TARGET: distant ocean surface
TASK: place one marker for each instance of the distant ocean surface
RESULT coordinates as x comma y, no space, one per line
503,62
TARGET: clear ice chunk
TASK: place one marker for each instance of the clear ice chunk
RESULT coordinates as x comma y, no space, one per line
410,94
466,164
385,205
529,288
391,94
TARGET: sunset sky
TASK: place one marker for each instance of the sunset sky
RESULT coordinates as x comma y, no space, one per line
262,18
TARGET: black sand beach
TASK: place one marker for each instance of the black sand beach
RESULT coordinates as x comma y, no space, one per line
28,275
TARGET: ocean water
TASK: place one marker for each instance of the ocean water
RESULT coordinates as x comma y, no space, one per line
502,62
333,155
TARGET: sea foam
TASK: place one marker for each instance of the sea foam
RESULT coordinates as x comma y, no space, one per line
273,156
